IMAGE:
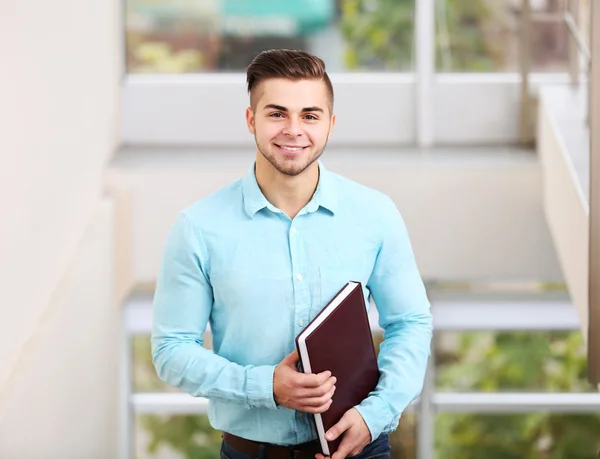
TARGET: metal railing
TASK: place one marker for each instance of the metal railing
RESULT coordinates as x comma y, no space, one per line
578,52
458,312
584,49
590,55
594,224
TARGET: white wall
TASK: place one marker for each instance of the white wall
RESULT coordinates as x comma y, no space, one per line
471,215
563,146
372,109
59,89
63,393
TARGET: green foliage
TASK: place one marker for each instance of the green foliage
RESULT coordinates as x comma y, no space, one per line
517,361
469,50
380,34
477,362
192,436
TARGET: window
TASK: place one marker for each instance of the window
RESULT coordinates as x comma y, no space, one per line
190,436
517,436
176,437
514,362
520,361
187,36
483,36
185,56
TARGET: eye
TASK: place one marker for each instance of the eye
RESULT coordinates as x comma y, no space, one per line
311,117
276,115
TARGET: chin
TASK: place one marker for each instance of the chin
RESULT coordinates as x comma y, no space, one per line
291,166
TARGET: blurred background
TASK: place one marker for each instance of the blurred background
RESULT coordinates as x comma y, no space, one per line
479,118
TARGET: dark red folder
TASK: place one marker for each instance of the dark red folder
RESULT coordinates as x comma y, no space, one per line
339,339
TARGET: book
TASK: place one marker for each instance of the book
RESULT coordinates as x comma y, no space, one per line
339,339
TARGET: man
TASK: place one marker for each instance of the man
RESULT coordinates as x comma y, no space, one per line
258,259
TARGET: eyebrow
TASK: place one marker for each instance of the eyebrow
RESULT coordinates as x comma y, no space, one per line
283,109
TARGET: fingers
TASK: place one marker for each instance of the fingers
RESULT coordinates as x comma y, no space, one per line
341,453
311,380
317,404
320,400
317,392
346,447
316,410
299,391
339,428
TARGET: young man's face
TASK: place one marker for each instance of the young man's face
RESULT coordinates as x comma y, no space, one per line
291,122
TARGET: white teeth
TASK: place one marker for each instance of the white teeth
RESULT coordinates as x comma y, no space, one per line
292,148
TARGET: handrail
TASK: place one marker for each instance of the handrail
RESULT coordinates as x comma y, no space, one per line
592,60
578,48
575,32
594,201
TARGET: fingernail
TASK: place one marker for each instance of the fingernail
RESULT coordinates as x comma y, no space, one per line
329,436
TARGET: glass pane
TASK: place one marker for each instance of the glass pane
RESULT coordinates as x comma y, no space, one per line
192,437
404,440
483,36
176,437
532,435
515,361
224,35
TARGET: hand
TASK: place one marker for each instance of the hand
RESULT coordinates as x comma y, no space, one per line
356,436
299,391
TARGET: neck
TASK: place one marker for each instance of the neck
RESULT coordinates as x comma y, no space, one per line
288,193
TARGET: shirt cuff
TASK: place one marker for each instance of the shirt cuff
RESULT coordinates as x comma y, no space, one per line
259,387
377,415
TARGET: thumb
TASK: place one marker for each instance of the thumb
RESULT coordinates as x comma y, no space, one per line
291,359
339,428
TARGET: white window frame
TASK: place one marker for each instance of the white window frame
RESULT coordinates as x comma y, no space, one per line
375,109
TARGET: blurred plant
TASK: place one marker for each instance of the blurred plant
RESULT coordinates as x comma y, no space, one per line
191,436
478,362
519,361
379,33
159,57
194,438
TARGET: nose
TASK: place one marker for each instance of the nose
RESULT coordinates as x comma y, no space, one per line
292,128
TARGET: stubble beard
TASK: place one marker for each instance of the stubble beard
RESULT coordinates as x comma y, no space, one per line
291,170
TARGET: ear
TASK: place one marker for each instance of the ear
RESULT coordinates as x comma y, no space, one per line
250,120
331,125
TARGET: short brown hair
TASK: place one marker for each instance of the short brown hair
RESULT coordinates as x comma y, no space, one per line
290,64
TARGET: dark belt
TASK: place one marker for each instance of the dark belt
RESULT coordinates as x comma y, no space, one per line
268,451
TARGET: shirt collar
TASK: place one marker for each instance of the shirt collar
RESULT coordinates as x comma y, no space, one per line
254,200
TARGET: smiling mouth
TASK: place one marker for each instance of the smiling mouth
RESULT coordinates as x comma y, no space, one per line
290,148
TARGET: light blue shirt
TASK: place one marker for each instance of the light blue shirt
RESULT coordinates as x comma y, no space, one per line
236,262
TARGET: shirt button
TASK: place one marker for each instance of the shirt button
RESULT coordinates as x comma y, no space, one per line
299,277
301,323
294,230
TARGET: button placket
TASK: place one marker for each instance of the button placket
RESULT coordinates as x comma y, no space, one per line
301,286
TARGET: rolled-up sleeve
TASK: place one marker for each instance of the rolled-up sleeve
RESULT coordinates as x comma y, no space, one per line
182,305
404,314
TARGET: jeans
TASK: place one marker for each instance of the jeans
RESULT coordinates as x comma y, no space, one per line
379,449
